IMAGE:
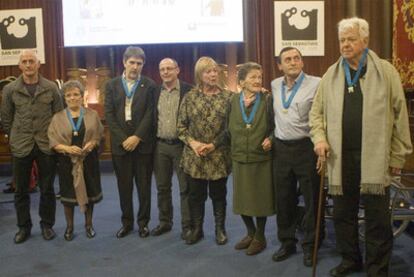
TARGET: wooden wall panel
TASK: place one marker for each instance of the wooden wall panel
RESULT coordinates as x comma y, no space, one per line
258,45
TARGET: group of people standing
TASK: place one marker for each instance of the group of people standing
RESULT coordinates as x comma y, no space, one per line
354,120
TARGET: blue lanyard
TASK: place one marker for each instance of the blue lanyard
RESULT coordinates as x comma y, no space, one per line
130,93
286,104
351,83
249,120
76,127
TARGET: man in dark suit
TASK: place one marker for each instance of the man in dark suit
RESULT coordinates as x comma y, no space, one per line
129,114
169,148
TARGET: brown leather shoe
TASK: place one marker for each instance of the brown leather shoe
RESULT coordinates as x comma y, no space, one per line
255,247
244,243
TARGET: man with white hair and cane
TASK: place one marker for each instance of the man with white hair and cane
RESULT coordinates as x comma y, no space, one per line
359,126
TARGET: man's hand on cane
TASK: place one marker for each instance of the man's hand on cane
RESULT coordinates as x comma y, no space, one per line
322,150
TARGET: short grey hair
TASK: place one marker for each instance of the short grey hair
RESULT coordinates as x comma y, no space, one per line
134,51
245,69
355,22
30,52
73,84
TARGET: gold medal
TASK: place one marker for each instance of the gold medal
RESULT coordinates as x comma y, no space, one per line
284,110
350,89
248,126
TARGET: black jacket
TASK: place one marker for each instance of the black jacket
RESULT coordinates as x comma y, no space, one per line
142,114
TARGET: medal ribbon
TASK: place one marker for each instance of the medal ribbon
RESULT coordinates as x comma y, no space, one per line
249,120
76,127
286,104
130,93
351,83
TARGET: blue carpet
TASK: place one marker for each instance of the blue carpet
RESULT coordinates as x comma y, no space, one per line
167,255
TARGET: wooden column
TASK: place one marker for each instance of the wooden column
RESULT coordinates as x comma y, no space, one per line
231,61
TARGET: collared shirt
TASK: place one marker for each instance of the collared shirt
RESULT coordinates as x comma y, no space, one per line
294,124
168,105
128,101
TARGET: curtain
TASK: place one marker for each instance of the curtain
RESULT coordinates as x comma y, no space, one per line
403,41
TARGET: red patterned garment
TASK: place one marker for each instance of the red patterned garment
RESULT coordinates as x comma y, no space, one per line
403,41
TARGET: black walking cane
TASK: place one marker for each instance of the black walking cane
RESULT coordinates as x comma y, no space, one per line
321,211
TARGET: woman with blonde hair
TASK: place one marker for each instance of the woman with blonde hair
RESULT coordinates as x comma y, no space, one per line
205,160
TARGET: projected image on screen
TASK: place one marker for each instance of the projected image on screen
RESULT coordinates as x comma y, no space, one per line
103,22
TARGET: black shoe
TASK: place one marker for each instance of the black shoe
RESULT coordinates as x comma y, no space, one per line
48,233
143,232
160,229
345,268
22,235
283,253
185,234
195,236
90,232
68,234
308,258
9,190
221,236
124,231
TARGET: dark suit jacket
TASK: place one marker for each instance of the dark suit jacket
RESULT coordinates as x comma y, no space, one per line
142,114
184,88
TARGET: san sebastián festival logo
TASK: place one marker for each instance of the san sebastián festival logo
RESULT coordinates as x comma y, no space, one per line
19,34
299,27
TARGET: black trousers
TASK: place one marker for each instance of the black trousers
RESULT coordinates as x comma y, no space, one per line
295,162
378,231
131,167
198,190
21,173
